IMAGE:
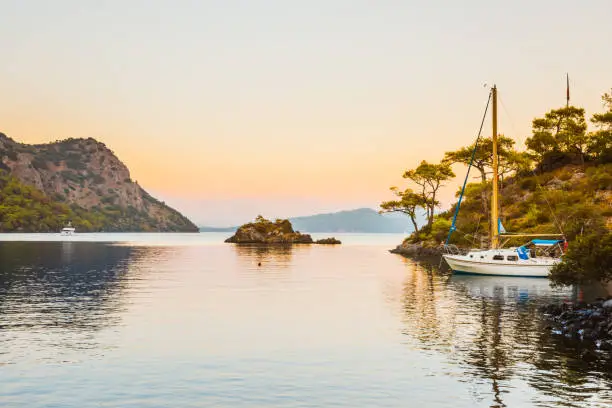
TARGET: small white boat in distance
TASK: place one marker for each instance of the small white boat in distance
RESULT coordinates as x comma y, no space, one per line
535,258
68,230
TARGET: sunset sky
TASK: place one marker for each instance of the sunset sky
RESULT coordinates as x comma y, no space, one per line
227,109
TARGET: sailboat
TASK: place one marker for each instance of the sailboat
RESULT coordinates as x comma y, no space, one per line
534,259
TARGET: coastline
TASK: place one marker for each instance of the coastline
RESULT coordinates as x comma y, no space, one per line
416,251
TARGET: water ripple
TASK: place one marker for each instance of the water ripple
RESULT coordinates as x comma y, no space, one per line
150,324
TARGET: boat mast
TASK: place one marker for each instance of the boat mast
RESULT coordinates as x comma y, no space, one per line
567,91
494,194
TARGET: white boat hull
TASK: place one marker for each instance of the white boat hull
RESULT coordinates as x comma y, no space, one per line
530,267
67,231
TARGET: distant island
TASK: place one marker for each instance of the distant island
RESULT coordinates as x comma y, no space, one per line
44,186
217,229
361,220
278,232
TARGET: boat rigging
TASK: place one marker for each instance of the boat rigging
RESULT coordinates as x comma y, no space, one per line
496,260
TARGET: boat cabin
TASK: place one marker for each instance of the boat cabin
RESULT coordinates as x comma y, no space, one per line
536,248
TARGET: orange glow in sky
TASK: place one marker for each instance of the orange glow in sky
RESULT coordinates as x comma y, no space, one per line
325,102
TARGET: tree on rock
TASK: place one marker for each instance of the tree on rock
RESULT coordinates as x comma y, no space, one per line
408,203
430,177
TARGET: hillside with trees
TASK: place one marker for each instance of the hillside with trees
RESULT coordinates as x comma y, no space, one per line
44,186
561,182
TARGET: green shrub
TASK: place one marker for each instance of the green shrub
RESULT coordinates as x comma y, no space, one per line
11,154
601,178
75,164
440,228
529,183
588,259
97,179
565,174
110,199
70,176
39,164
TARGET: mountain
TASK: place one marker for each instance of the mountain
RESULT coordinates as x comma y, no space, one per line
218,229
78,180
359,220
364,220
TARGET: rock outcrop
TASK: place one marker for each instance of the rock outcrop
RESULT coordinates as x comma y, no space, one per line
266,232
589,325
328,241
86,173
409,250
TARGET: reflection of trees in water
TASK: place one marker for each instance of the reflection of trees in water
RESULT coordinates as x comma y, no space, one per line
491,355
503,315
62,285
493,325
518,334
423,305
275,256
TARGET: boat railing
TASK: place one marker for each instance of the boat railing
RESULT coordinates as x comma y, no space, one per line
451,249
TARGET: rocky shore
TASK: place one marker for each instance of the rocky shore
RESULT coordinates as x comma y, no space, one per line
279,232
589,324
328,241
416,251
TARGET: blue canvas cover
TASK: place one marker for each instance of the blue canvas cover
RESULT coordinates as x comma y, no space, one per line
522,252
546,242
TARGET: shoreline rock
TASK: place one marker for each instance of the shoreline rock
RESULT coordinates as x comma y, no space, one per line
279,232
328,241
589,325
416,251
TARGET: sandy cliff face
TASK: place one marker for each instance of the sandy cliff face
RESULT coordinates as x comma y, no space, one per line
87,173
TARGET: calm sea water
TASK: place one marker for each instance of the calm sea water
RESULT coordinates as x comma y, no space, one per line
183,320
